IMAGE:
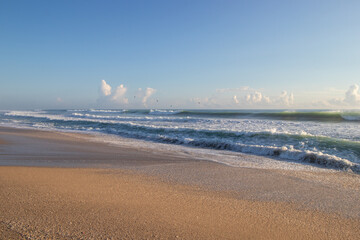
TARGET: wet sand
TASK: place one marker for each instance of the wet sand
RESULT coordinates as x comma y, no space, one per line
82,189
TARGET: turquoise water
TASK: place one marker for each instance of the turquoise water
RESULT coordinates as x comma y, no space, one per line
319,137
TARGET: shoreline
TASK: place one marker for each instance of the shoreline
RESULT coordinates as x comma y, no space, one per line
297,144
318,205
243,160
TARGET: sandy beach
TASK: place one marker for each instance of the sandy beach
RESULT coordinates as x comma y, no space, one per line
66,186
179,120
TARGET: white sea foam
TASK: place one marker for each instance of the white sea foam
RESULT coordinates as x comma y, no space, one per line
164,112
333,145
108,111
351,117
345,131
233,159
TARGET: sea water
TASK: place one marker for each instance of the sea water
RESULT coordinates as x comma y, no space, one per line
323,138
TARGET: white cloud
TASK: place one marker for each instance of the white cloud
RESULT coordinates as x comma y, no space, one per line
286,99
118,95
142,96
351,98
105,89
245,97
257,98
235,99
148,92
108,97
253,97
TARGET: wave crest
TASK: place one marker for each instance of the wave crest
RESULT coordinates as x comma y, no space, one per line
164,112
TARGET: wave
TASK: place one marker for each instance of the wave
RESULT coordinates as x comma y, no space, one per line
327,116
351,116
288,153
77,110
108,111
323,116
301,146
226,141
164,112
131,118
293,115
24,113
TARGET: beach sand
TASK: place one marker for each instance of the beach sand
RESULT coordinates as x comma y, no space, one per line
64,186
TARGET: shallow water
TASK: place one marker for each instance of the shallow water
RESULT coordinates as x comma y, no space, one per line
327,138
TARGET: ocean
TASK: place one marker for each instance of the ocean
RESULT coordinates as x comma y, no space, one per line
316,138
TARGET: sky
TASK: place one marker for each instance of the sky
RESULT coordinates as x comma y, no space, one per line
180,54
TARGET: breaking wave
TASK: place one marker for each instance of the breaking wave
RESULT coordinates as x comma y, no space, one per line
318,143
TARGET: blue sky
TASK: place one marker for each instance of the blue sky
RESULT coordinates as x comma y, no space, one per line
184,54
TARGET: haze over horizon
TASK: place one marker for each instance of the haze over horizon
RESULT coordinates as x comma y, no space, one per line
183,54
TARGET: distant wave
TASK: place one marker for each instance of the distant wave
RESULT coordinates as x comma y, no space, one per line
129,118
211,134
323,116
351,116
327,116
25,113
108,111
293,115
164,112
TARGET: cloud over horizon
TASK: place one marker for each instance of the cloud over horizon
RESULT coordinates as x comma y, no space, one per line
109,97
118,95
351,98
148,92
105,89
244,97
235,99
258,99
286,99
